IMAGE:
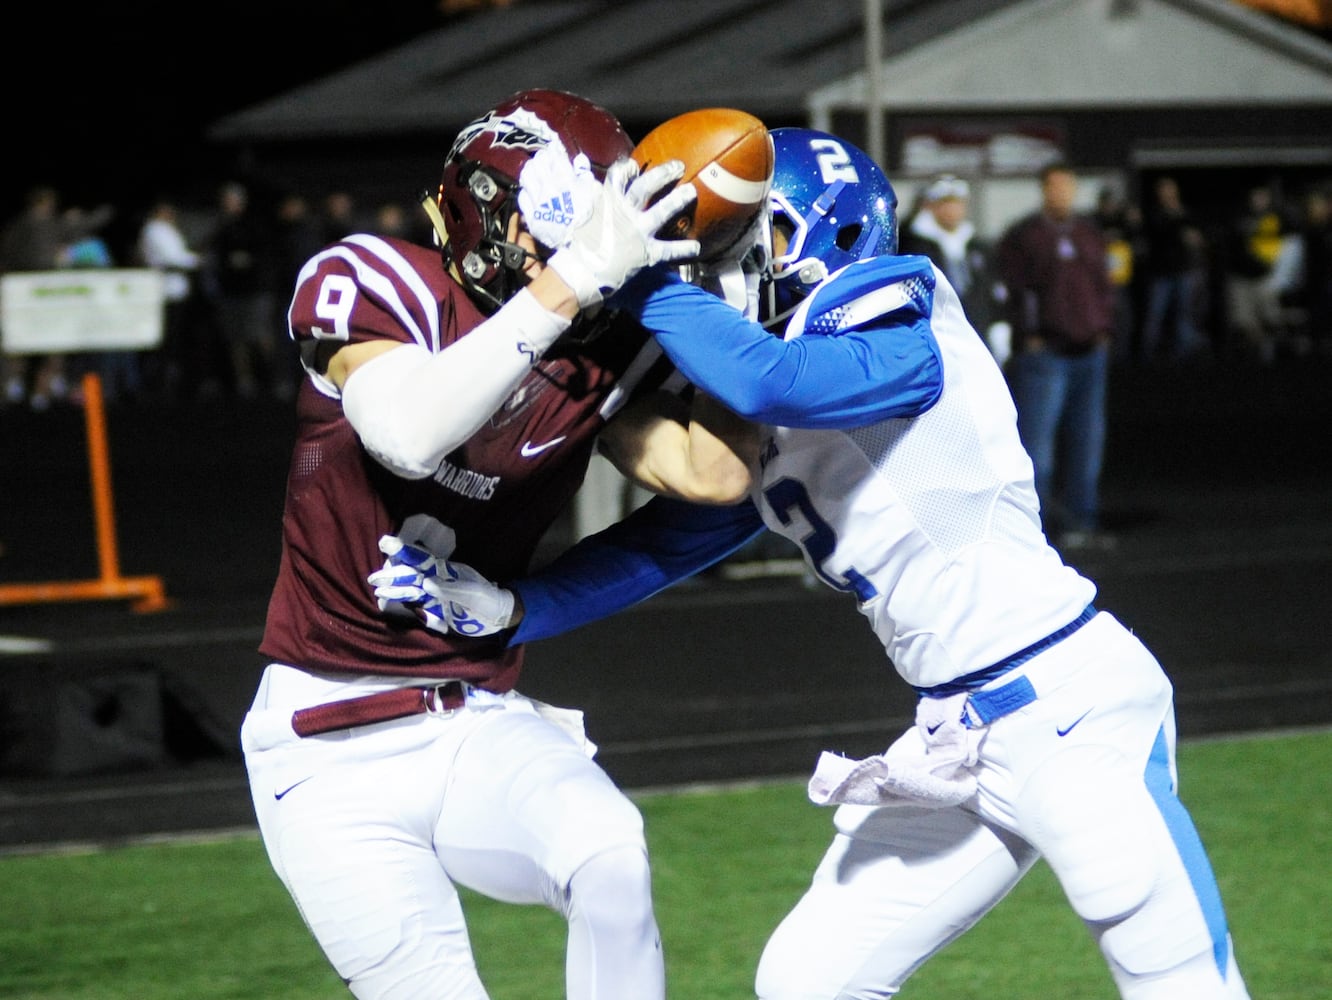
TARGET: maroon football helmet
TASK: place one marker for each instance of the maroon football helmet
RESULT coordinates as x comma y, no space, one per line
479,190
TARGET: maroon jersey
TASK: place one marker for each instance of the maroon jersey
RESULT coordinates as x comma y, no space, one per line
500,491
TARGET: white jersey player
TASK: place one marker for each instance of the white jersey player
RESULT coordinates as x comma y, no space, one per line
889,453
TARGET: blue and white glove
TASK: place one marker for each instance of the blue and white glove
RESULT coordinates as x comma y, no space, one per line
473,606
617,237
444,596
413,557
556,193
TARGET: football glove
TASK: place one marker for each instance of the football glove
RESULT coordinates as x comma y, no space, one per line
618,236
555,194
472,605
399,583
444,596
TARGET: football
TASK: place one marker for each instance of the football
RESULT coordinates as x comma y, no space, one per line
728,156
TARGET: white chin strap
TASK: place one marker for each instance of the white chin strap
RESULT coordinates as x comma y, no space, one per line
436,219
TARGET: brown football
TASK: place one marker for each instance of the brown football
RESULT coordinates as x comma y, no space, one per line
728,156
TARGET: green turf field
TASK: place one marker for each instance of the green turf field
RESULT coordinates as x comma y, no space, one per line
208,920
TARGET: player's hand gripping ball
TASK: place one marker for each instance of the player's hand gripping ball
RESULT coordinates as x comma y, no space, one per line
728,156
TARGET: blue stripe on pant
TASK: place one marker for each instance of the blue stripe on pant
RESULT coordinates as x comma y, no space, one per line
1190,847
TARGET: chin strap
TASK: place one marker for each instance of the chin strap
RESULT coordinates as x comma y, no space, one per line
509,280
431,206
515,257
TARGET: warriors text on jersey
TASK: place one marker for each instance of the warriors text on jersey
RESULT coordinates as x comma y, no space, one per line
500,491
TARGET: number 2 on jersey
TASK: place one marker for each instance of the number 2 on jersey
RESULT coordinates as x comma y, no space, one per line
788,496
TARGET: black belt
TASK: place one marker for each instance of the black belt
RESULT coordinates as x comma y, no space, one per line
382,707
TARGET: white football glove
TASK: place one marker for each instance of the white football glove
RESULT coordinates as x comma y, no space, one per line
556,193
472,605
444,596
618,237
399,583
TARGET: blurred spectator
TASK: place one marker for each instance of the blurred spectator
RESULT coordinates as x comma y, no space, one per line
941,231
391,220
37,240
1253,245
1315,241
1061,307
1301,277
340,217
118,371
85,248
1175,272
406,221
177,364
298,237
1121,226
241,280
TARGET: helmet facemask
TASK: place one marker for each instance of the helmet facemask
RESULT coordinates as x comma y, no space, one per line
492,269
736,274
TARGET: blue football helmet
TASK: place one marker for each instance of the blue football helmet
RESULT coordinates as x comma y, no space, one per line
831,206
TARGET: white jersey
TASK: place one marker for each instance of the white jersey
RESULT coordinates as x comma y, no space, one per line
932,520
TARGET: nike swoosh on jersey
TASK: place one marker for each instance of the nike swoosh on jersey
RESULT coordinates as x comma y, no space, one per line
280,793
530,450
1065,730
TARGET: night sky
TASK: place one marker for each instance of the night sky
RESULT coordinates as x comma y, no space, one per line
114,100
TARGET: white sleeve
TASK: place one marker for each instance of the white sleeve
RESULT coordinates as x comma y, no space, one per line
411,407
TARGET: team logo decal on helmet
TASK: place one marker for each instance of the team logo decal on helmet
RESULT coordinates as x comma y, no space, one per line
519,130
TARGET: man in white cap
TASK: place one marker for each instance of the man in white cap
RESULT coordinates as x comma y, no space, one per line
941,231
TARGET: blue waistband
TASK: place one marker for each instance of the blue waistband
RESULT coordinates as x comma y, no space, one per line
1010,697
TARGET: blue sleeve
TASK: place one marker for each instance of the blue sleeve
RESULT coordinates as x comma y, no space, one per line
659,544
867,353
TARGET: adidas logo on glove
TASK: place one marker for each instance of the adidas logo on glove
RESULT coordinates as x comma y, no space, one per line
558,211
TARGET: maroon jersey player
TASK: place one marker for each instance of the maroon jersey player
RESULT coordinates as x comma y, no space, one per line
499,490
457,396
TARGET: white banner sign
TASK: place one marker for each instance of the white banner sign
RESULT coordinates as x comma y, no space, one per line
60,312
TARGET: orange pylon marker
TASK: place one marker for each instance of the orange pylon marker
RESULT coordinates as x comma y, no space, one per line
147,592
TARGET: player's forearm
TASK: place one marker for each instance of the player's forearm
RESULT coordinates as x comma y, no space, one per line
411,407
554,295
849,379
723,449
701,453
661,543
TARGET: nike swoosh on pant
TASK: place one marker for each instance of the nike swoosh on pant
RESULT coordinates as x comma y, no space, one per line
1065,730
280,793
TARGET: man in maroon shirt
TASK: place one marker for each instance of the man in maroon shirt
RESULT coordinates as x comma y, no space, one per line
1061,309
389,763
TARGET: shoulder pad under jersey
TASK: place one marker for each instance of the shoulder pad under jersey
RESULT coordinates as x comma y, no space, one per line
370,288
863,291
